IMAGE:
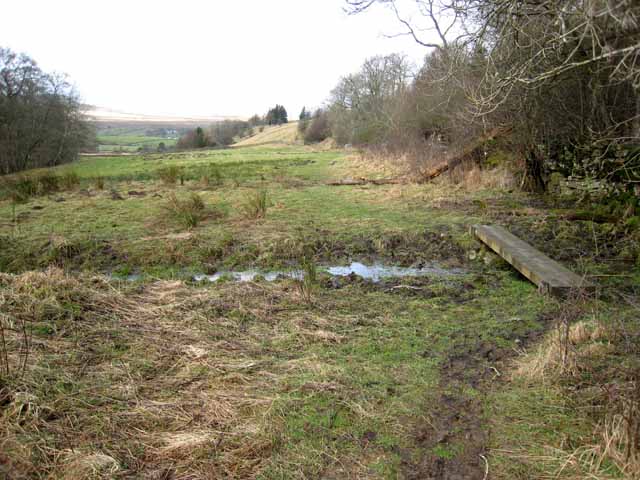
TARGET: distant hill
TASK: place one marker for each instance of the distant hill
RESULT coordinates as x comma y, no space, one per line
106,115
286,134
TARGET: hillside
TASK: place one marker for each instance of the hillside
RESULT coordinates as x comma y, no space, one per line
285,134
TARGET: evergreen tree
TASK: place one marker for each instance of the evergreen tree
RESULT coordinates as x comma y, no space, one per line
201,140
276,116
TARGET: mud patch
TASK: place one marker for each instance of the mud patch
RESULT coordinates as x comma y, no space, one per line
454,439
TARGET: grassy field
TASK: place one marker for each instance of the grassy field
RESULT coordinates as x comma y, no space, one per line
440,376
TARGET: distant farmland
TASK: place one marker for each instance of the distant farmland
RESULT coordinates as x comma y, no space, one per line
118,131
131,143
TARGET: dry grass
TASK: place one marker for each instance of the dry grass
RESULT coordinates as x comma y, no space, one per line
578,357
412,163
472,179
172,397
161,380
277,134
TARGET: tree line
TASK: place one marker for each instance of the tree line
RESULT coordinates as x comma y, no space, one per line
41,122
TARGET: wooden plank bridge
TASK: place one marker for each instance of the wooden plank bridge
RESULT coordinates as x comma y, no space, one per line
547,274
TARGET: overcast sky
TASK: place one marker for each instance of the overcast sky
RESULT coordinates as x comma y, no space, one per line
197,57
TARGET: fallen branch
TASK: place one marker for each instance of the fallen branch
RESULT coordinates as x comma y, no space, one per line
467,153
365,181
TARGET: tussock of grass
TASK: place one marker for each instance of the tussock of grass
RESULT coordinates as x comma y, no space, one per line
99,183
170,174
211,176
189,212
69,179
309,281
256,204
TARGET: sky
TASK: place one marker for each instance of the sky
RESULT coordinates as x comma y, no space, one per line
197,57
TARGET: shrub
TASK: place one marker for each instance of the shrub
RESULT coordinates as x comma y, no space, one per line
169,175
256,204
188,212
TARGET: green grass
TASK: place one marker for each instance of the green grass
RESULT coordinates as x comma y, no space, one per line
266,380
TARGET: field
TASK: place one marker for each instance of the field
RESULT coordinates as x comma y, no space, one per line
119,364
131,143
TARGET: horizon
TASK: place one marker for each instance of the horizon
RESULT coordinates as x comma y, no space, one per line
161,61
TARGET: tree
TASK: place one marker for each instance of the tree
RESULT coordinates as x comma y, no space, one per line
319,128
364,105
276,116
304,118
256,120
41,123
304,114
201,139
227,131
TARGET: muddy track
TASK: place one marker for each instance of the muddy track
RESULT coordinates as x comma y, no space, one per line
456,425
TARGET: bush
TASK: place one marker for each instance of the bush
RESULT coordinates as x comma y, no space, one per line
169,175
256,204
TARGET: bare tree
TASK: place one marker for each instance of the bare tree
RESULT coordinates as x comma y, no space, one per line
41,123
564,73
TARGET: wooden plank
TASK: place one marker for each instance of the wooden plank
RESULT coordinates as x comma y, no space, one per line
547,274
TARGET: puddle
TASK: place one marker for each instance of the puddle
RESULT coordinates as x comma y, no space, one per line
249,275
375,273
